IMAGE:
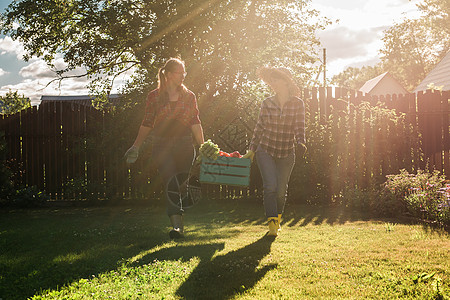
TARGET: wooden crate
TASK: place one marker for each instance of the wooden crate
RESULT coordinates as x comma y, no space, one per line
225,170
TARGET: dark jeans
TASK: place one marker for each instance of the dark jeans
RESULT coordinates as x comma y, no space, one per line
275,173
172,156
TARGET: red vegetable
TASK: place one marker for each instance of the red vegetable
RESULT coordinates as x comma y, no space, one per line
226,154
236,154
222,153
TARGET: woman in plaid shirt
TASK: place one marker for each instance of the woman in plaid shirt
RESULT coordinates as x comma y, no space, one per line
171,116
279,131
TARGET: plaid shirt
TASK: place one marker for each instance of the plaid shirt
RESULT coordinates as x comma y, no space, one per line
183,112
279,128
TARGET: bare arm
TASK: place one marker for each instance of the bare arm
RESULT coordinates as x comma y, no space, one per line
197,131
142,135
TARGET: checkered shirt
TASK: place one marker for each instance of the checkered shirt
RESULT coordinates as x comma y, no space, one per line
278,129
183,111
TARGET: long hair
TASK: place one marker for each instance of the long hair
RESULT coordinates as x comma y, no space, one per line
170,66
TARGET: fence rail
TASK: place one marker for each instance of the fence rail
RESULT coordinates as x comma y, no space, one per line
54,147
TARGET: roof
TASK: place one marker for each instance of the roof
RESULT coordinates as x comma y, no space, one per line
81,99
439,76
383,84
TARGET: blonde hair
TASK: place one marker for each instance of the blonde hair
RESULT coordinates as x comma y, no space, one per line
267,74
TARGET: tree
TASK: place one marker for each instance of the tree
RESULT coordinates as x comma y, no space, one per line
413,47
12,103
223,42
354,78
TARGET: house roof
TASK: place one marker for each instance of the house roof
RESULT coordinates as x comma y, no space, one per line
370,84
439,76
376,84
81,99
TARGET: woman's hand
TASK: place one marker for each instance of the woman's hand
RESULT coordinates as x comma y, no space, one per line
250,154
132,154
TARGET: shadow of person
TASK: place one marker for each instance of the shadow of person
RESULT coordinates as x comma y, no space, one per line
229,274
184,253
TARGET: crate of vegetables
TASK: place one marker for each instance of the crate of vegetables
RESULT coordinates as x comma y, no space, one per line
219,167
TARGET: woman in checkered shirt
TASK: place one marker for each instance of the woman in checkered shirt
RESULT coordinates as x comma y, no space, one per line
279,131
171,116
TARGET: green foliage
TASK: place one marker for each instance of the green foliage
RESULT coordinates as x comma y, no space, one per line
412,47
390,227
423,195
12,103
354,78
222,43
430,202
28,197
403,184
209,149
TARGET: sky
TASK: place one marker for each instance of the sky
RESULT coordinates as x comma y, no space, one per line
352,41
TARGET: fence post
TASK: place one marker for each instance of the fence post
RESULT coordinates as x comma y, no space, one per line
314,103
446,133
323,104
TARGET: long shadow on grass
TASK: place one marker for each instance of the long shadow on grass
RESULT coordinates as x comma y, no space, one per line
229,274
303,215
221,277
48,250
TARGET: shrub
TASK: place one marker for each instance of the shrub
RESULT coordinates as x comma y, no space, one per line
422,195
27,197
431,203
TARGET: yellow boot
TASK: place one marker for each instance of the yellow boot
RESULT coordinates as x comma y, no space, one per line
279,222
273,226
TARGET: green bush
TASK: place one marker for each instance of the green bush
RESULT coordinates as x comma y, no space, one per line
27,197
430,202
422,195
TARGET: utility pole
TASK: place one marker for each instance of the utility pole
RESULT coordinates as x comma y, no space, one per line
324,67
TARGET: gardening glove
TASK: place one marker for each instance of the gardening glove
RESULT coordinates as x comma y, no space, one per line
301,149
132,154
250,154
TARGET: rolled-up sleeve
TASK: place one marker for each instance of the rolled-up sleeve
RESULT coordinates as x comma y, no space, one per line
150,111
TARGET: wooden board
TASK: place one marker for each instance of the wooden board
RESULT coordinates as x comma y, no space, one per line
226,170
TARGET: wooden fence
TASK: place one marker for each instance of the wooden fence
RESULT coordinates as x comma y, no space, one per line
427,112
54,147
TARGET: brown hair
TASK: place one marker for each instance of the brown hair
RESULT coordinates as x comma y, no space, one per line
170,66
267,74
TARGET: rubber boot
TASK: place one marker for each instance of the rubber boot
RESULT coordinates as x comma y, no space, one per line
279,222
273,226
178,228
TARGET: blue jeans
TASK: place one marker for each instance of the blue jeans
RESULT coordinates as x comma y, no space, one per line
275,173
172,156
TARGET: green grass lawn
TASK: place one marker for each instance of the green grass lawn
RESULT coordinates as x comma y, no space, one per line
124,252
